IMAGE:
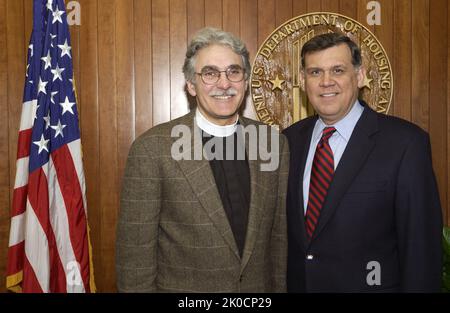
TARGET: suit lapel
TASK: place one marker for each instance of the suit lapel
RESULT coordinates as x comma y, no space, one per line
358,149
258,191
299,153
259,186
199,175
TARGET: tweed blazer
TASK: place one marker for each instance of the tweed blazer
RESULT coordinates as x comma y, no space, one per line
173,234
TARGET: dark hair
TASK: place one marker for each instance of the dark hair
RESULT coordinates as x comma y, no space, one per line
325,41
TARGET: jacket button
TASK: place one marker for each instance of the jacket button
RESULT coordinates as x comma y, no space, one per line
310,257
240,278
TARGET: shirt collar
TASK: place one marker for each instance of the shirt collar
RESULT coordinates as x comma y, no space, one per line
213,129
344,127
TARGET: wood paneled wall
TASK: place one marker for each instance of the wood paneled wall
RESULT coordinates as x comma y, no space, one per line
128,56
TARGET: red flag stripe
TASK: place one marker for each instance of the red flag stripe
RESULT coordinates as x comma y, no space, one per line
16,255
73,199
67,201
75,151
30,281
23,144
36,249
38,199
19,202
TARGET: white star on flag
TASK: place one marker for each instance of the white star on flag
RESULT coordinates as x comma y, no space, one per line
31,48
41,87
51,41
65,49
57,15
67,106
52,95
47,120
35,109
48,60
59,129
42,144
73,85
49,5
57,73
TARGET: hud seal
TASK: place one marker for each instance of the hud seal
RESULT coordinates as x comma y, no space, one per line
276,90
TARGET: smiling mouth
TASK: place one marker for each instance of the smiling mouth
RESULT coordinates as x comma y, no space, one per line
329,94
222,97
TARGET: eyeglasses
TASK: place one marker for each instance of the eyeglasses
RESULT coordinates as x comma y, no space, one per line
211,76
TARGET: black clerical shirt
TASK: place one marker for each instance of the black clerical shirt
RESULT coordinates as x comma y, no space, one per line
232,176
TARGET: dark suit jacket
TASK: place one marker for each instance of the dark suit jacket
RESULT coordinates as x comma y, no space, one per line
173,234
382,205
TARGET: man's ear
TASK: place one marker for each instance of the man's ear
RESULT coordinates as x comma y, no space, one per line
191,89
360,75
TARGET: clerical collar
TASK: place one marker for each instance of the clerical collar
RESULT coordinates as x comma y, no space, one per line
213,129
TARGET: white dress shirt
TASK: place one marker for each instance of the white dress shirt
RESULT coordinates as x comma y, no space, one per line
338,142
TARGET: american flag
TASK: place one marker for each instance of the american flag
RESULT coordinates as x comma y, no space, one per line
49,247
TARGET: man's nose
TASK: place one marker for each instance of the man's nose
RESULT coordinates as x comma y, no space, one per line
327,79
223,81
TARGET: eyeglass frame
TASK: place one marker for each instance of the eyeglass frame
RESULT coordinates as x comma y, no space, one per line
231,67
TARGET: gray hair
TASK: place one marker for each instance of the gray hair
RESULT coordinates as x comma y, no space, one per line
209,36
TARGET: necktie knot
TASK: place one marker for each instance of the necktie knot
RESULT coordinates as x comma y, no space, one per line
326,134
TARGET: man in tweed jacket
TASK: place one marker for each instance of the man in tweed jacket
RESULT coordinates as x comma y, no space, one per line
174,232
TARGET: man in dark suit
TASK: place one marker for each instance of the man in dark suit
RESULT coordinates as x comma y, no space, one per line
363,206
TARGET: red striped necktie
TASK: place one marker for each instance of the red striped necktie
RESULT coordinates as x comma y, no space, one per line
321,175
